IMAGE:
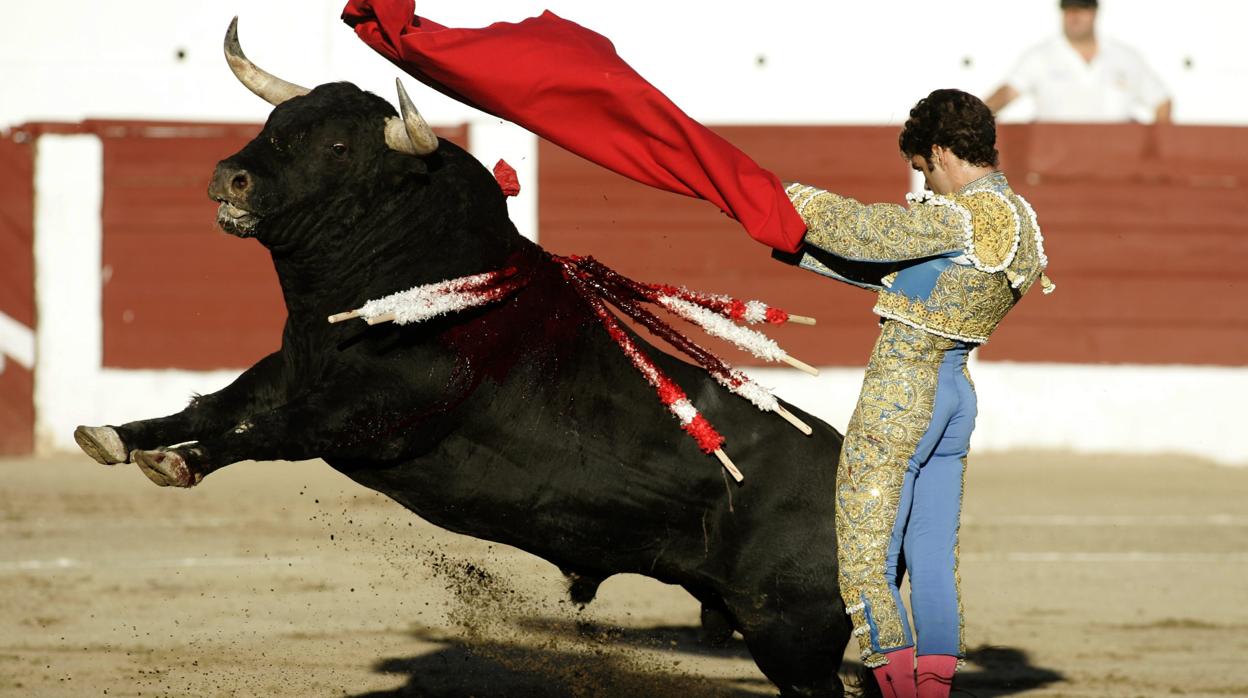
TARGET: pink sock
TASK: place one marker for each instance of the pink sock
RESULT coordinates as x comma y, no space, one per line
936,675
896,678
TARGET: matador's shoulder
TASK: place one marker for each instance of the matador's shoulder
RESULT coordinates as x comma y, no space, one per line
992,227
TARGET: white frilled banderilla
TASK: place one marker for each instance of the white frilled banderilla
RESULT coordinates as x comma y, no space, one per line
599,285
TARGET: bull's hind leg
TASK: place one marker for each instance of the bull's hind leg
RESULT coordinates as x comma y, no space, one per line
801,654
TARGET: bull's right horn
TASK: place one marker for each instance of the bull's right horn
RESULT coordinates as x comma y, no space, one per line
268,87
411,134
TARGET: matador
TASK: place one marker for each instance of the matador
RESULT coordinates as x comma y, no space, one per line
947,269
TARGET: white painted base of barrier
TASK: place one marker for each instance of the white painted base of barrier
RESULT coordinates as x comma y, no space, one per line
1184,410
1145,410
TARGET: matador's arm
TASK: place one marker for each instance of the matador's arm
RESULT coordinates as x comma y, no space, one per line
876,233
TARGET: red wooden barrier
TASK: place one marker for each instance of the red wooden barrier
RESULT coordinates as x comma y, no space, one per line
1147,234
17,286
1146,230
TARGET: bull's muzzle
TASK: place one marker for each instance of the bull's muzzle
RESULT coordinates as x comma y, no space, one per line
231,185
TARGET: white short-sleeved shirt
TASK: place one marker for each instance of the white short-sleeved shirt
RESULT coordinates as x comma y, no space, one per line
1116,86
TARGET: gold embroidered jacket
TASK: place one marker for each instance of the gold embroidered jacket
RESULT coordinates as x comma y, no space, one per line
950,265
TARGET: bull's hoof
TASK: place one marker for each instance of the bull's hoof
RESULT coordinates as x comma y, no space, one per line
165,468
102,443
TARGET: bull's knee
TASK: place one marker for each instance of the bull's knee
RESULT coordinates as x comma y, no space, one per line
716,626
103,444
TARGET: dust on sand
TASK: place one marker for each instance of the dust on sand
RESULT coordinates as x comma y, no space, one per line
1082,576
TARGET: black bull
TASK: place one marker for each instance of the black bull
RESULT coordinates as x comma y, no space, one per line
521,422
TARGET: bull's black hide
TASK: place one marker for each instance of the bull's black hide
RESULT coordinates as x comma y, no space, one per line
520,422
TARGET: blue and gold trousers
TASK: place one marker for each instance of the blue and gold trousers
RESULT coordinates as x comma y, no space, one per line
899,494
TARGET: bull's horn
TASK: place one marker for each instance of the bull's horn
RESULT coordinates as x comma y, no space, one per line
411,134
270,88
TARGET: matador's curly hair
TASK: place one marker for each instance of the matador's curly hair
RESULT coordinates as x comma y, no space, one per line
955,120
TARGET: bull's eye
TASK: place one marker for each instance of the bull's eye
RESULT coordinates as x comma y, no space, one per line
340,149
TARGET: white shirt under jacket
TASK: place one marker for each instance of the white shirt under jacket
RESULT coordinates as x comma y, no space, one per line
1117,85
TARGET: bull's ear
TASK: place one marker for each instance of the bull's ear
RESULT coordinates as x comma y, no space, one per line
401,170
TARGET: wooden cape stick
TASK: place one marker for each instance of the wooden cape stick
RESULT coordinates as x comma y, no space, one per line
792,419
801,319
800,365
339,317
729,465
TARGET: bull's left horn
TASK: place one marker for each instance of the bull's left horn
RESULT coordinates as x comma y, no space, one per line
411,134
268,87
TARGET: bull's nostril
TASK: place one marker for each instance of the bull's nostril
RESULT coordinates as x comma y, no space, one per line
240,182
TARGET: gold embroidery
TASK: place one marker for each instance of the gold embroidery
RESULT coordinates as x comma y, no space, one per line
1030,261
965,304
876,232
893,412
1038,239
994,229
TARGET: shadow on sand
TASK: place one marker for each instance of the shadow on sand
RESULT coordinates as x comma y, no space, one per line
1001,671
560,658
557,658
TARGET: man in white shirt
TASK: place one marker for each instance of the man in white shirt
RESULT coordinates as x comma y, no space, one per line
1078,77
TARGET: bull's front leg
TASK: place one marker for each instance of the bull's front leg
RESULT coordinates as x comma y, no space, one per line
319,425
257,389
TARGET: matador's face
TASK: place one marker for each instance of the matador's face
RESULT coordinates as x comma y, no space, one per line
937,177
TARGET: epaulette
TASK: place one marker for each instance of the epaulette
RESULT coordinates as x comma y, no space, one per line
994,230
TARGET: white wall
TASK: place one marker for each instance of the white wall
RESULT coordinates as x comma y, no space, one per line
1184,410
824,61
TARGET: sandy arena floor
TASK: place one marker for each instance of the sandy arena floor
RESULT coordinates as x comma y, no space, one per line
1082,577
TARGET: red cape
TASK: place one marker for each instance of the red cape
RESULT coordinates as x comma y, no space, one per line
566,84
